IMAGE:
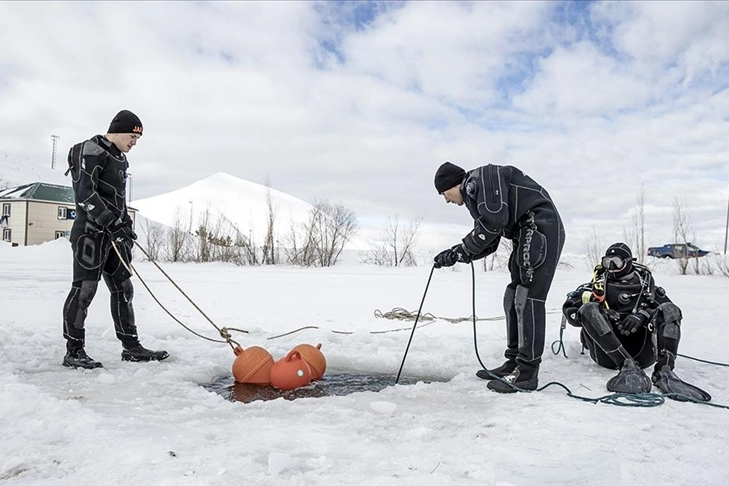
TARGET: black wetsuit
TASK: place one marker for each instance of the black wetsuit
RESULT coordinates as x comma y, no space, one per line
99,173
601,305
505,202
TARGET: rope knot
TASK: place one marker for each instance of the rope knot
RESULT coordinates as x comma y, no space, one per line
225,334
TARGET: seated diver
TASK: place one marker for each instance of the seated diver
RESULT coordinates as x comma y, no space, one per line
628,324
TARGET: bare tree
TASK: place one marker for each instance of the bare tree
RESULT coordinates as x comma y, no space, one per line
269,247
635,235
396,245
219,239
500,258
155,235
246,249
203,231
321,240
300,243
720,264
178,239
683,234
337,225
593,248
249,248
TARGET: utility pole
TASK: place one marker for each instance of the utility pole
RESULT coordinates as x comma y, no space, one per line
190,228
53,156
726,231
130,191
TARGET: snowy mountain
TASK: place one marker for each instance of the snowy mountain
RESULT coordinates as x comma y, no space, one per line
224,197
245,204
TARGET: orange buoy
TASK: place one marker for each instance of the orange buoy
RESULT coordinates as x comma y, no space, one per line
314,358
252,365
290,372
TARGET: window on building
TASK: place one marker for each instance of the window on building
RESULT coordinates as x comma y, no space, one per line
6,209
60,234
7,234
62,213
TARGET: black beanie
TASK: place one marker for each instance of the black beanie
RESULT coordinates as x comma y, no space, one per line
620,249
125,122
448,175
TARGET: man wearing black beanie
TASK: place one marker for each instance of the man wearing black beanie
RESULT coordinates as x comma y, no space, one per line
102,237
505,202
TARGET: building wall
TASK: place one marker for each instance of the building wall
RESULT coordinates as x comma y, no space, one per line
43,221
16,221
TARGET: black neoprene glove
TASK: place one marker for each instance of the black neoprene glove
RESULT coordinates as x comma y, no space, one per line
633,322
451,256
122,233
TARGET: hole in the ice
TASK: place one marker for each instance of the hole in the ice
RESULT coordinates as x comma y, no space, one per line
331,384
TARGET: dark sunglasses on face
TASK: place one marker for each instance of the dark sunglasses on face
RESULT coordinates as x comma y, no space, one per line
613,262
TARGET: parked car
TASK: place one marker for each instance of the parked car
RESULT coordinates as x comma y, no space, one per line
676,250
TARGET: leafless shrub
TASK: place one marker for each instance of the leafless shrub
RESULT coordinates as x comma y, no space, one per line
635,235
337,225
249,250
219,239
320,241
718,263
593,249
682,233
396,245
203,233
155,236
500,258
269,246
178,239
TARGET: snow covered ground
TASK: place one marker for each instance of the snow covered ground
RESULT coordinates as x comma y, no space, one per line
153,424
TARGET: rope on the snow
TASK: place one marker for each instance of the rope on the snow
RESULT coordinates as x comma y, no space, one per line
343,332
702,360
405,315
560,342
223,331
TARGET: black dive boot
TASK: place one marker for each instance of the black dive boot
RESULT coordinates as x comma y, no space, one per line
524,378
505,369
137,352
674,387
77,358
630,379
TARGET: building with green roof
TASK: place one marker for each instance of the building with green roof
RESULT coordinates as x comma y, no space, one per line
34,213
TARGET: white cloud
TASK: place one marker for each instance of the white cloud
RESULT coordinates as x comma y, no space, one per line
594,102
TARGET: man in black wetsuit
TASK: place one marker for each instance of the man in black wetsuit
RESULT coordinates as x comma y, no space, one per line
505,202
102,226
628,324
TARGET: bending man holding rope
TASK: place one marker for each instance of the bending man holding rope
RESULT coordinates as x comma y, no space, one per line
628,324
504,201
98,169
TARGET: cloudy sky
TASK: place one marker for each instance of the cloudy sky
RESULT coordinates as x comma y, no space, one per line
359,102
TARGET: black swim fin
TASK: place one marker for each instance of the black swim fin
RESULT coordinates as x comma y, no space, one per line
674,387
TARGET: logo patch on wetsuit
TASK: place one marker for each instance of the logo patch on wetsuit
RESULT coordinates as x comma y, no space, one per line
471,188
